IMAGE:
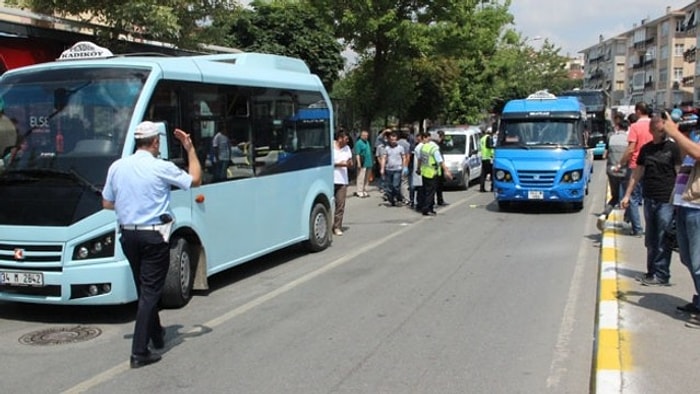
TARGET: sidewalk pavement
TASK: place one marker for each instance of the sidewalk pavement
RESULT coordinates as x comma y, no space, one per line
642,343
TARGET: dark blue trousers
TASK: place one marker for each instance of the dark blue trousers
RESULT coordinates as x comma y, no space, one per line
149,258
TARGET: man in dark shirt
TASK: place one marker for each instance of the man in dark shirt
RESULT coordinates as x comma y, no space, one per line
657,165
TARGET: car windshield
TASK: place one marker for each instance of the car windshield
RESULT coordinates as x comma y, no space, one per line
71,120
540,133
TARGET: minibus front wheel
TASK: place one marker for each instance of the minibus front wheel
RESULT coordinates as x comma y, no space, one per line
319,228
177,291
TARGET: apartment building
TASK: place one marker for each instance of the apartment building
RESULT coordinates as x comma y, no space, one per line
652,62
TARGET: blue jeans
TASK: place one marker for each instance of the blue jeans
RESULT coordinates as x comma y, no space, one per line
658,216
393,186
633,209
688,235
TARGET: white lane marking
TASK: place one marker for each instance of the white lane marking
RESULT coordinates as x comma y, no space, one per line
123,367
561,349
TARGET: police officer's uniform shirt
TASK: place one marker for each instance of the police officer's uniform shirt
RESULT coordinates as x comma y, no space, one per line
437,154
139,186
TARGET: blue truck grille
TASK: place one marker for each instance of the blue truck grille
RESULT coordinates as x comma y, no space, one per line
537,179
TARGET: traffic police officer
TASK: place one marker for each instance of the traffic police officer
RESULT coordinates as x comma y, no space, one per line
486,143
138,189
431,163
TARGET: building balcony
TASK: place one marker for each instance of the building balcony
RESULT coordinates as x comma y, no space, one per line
688,82
690,54
642,45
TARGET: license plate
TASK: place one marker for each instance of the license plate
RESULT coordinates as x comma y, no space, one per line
21,278
535,195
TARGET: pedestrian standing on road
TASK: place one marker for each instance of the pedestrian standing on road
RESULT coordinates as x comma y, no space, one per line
342,157
379,145
138,189
615,147
431,163
657,165
393,166
487,151
687,214
416,192
440,186
405,176
364,163
637,137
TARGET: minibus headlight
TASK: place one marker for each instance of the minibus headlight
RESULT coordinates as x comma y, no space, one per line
503,176
98,247
572,176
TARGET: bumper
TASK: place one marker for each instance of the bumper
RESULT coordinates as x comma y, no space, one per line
568,194
69,286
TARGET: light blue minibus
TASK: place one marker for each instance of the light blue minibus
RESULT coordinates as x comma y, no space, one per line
75,116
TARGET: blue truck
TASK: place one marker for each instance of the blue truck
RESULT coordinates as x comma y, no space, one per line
542,153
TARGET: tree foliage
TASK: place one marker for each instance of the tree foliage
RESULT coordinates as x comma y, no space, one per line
180,22
287,28
445,60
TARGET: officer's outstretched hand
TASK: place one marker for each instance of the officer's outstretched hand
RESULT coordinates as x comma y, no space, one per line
448,175
184,139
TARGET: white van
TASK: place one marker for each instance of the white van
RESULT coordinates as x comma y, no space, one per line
462,153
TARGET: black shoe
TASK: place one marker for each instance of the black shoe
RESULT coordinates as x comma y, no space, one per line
642,277
689,308
482,190
654,281
442,204
142,361
159,340
429,213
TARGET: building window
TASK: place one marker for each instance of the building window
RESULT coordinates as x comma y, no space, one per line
678,50
677,74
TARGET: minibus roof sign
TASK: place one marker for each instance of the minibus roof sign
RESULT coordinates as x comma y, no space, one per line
85,50
542,95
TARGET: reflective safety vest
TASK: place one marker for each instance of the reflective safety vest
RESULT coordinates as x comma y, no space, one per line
428,165
486,152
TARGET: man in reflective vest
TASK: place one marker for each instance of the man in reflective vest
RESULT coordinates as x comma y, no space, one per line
431,165
486,143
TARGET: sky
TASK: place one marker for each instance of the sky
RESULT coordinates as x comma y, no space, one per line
574,25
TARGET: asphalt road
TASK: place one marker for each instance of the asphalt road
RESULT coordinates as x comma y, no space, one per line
471,301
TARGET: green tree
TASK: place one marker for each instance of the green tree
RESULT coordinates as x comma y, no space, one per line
405,47
289,28
180,22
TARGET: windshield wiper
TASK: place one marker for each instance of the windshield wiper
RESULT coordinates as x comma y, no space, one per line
555,144
69,174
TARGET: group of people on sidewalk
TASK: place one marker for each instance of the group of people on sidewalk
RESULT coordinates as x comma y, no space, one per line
653,164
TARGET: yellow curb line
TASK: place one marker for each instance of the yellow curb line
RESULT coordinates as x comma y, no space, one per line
613,350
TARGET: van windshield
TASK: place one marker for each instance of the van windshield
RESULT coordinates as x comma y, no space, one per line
454,144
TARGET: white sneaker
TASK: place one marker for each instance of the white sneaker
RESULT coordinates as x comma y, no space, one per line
600,222
338,232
